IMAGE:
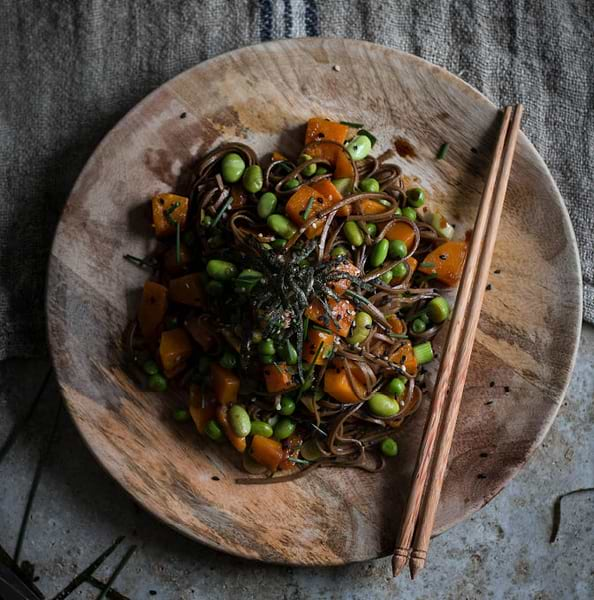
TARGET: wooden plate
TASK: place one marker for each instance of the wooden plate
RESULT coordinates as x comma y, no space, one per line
262,95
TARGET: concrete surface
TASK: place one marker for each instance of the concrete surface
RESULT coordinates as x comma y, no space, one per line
502,552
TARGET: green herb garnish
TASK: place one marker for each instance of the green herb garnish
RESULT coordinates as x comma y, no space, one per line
170,211
222,210
178,242
353,125
299,461
427,265
442,151
308,208
320,328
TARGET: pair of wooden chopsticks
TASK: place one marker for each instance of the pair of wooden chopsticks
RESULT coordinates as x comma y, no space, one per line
419,515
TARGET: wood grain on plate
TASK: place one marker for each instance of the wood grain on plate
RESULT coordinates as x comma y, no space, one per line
263,95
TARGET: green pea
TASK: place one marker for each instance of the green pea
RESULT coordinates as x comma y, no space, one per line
291,184
206,221
214,288
399,271
415,197
353,233
232,167
281,226
379,253
438,309
361,328
181,415
266,205
189,238
288,353
359,147
213,431
396,387
322,170
267,359
398,211
283,429
418,326
409,213
261,428
150,367
371,229
344,185
387,276
287,406
221,270
310,169
369,185
425,317
252,179
266,347
228,360
339,251
389,447
397,249
239,420
278,244
157,382
383,406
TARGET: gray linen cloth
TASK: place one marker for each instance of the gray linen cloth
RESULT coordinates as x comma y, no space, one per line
70,69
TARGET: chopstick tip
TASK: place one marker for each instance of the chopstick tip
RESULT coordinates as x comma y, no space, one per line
399,561
416,565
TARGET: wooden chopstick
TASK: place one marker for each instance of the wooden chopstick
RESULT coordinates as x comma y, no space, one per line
440,460
426,451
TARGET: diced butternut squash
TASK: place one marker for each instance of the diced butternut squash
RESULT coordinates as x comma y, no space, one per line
201,409
279,377
267,452
187,290
368,206
277,156
225,384
328,189
337,385
446,261
340,285
342,311
168,210
239,443
303,205
153,307
170,259
315,339
354,366
401,231
412,265
396,324
201,332
175,371
175,348
324,129
405,357
335,154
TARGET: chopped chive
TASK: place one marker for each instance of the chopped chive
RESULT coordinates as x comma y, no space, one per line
305,327
169,212
442,151
116,572
355,296
371,137
320,328
299,461
308,208
353,125
139,262
319,429
398,336
427,265
178,242
222,210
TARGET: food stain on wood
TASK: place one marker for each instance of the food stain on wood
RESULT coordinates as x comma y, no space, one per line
404,148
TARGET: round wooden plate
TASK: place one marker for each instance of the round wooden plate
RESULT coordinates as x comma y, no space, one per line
262,95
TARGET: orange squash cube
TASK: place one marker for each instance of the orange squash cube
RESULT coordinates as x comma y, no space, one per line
267,452
225,384
405,357
298,204
324,129
202,409
187,290
175,348
340,285
315,339
448,269
153,307
342,311
401,231
168,210
336,384
279,377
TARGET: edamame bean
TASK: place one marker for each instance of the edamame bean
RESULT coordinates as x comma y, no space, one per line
344,185
261,428
267,359
310,169
369,185
389,447
409,213
228,360
379,253
438,309
206,221
239,420
266,347
371,229
399,271
252,179
181,415
232,167
291,184
213,431
278,244
288,353
359,147
150,367
214,288
266,205
247,280
415,197
353,234
387,276
322,170
221,270
361,329
157,383
339,251
396,387
287,406
283,429
397,249
383,406
281,226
